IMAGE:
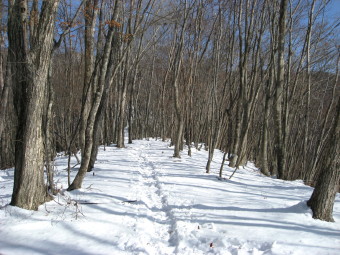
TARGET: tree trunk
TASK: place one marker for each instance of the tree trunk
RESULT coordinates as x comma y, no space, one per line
120,132
90,23
48,131
280,148
308,92
4,91
177,69
264,142
113,65
323,197
99,80
30,71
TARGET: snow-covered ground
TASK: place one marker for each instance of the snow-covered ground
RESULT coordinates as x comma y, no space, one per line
141,200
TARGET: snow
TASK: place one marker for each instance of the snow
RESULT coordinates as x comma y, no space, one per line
141,200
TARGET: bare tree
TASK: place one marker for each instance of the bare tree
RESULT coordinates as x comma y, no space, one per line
90,16
98,80
177,64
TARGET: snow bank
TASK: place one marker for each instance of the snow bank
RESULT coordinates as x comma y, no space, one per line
140,200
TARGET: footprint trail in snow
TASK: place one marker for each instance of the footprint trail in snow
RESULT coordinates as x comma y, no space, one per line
140,200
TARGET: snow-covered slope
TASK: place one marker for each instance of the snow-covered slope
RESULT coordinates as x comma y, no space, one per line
141,200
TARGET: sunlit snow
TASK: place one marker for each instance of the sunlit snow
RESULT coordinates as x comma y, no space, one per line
141,200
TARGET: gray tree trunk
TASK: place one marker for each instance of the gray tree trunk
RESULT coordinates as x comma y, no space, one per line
177,66
90,22
30,71
279,131
264,142
4,93
323,197
99,82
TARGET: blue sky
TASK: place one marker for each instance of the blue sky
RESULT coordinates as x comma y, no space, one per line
334,10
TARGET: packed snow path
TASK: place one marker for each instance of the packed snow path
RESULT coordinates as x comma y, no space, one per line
141,200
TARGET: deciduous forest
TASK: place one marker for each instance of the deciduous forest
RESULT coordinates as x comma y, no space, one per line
256,79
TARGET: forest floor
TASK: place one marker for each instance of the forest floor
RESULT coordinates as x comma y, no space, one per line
141,200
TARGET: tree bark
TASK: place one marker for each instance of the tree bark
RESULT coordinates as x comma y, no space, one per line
30,71
323,197
177,66
264,142
90,23
99,82
280,148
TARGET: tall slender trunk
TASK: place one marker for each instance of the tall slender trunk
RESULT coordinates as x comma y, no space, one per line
48,131
216,121
177,66
131,104
308,94
279,134
90,23
100,85
122,107
4,91
264,143
239,113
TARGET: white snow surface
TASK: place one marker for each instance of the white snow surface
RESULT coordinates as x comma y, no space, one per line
141,200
